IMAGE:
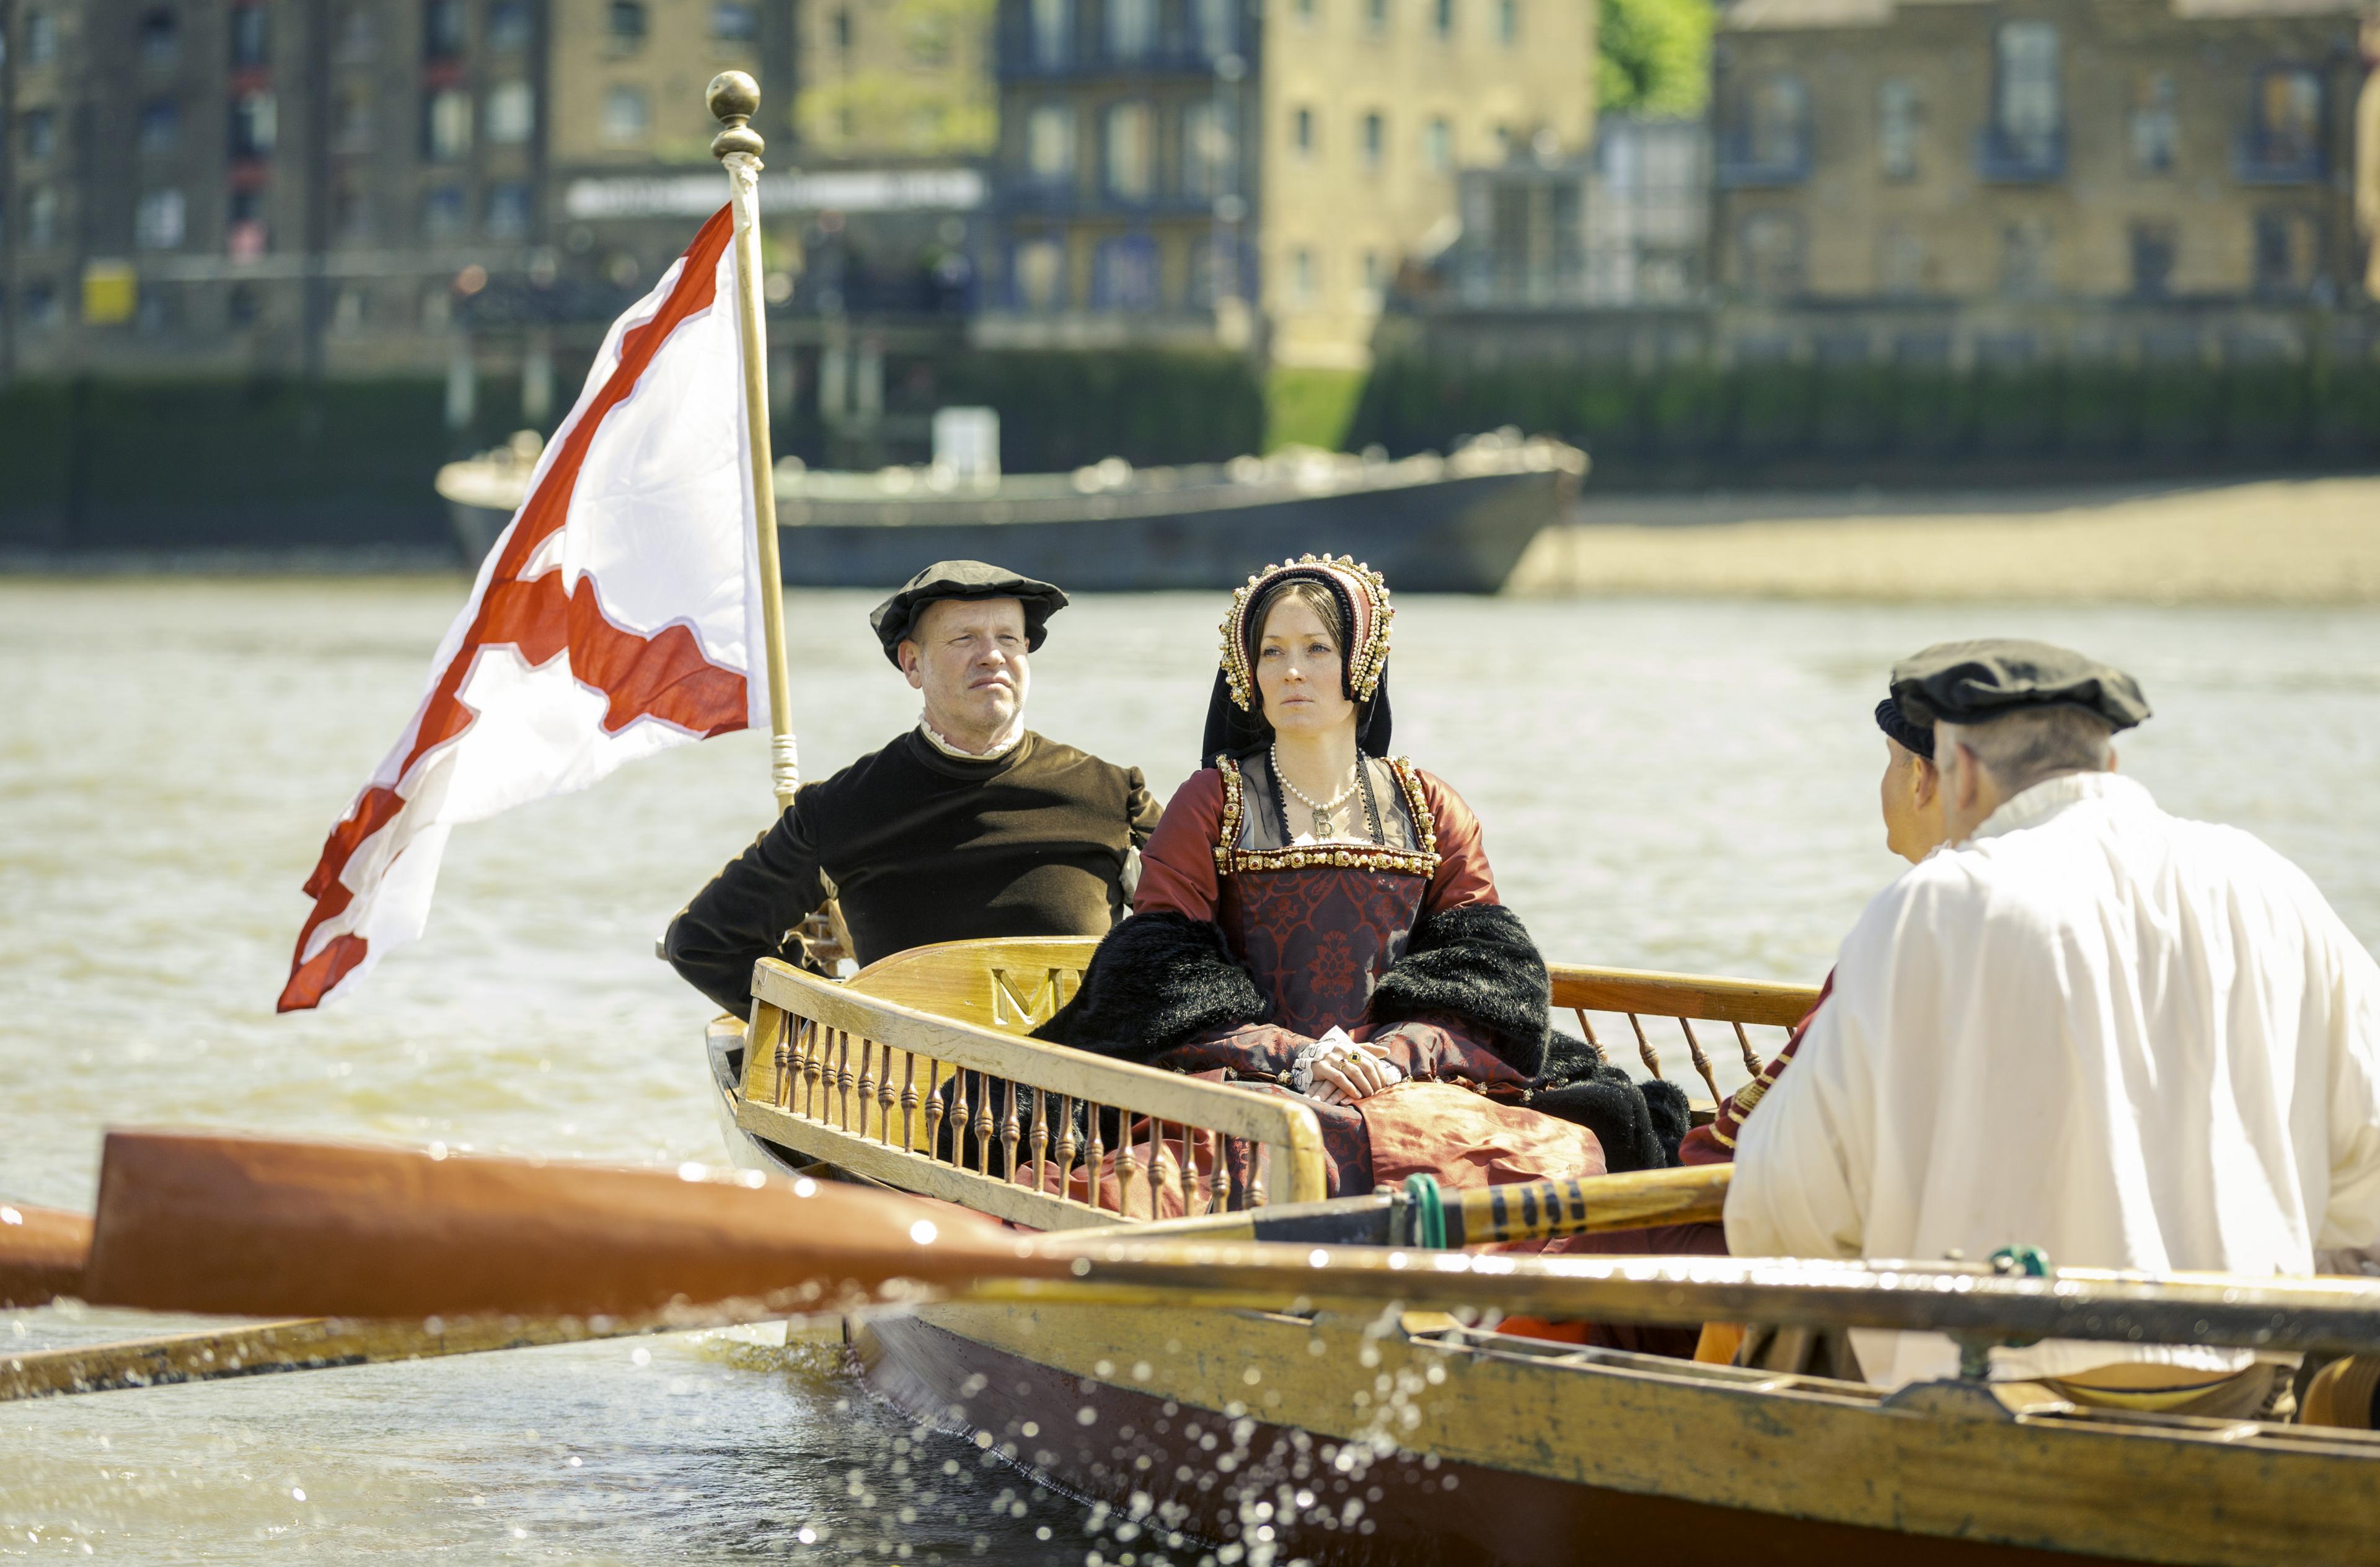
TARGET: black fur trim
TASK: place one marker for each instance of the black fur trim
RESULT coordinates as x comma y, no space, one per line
1672,1118
1157,979
1477,964
1608,1103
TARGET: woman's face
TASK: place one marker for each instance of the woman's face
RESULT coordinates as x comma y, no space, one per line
1298,672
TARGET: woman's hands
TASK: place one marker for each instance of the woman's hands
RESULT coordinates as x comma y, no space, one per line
1339,1071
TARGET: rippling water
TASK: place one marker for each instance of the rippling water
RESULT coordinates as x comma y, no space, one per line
1673,785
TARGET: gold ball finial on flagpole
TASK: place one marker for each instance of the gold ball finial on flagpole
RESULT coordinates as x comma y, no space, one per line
734,98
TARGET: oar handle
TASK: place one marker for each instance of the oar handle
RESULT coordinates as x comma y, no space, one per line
41,1254
1542,1209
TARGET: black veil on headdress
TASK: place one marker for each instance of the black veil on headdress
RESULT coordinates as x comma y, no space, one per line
1236,721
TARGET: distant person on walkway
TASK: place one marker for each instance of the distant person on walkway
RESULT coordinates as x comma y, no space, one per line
2083,1024
968,825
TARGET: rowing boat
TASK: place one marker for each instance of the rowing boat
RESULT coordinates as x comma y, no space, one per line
1413,1436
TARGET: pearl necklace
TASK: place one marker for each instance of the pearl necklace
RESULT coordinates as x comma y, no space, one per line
1324,822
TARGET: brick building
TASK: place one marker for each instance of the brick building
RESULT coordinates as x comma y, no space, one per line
2129,176
1224,171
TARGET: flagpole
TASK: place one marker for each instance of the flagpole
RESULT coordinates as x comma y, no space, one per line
734,99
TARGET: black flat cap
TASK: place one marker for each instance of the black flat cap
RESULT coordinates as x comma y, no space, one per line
965,579
1918,738
1974,681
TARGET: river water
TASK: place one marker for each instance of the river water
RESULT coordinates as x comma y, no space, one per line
1681,784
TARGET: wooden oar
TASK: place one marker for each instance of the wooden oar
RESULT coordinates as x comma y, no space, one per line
189,1222
41,1251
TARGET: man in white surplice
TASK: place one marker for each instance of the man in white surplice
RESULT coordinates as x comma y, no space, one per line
2132,1040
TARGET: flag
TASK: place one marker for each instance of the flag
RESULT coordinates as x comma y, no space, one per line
617,616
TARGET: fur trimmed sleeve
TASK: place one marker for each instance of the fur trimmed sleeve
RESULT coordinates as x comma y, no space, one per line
1158,979
1478,966
1463,879
1177,867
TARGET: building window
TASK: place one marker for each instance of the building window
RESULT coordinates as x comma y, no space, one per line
41,39
2154,247
351,118
842,37
245,235
1305,275
1375,139
1036,275
1772,254
2285,252
442,212
736,21
2155,128
41,218
255,126
241,308
627,116
508,26
1128,147
2286,130
2028,110
446,125
1214,275
157,220
1123,274
251,37
1442,18
1778,134
161,125
508,210
350,209
1131,29
40,131
512,113
358,35
1306,11
627,24
41,303
1375,277
927,38
1437,146
1054,32
1896,114
160,39
1211,23
1301,131
1376,15
2025,260
1206,153
1049,144
444,32
1902,267
1508,22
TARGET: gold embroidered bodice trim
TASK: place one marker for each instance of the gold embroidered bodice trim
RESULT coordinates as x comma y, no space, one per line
1231,859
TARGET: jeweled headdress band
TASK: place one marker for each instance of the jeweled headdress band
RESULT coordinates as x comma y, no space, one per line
1368,596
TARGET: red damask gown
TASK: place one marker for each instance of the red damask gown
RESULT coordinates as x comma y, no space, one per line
1318,923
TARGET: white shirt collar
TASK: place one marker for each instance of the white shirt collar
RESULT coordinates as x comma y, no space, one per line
1000,748
2031,806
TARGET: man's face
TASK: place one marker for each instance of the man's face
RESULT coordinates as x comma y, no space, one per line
1912,797
968,656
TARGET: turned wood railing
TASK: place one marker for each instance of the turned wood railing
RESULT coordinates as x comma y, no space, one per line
914,1074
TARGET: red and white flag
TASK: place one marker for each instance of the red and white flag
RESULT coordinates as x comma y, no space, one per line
617,616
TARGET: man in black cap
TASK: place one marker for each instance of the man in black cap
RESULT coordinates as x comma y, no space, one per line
969,825
2084,1025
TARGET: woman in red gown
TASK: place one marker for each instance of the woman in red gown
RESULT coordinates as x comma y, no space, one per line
1316,917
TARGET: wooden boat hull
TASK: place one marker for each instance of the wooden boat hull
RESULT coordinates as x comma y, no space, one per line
1508,1457
1458,535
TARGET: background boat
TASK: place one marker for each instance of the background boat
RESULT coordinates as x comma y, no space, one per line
1452,524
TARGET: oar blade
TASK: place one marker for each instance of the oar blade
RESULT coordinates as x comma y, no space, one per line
203,1222
41,1254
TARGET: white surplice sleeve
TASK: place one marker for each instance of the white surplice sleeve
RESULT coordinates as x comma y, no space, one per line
1806,1158
2351,1217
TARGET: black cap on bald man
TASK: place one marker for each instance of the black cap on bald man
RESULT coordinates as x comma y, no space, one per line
1976,682
896,617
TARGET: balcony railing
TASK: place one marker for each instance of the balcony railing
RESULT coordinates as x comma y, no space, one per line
2002,158
1019,59
2260,158
1740,164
